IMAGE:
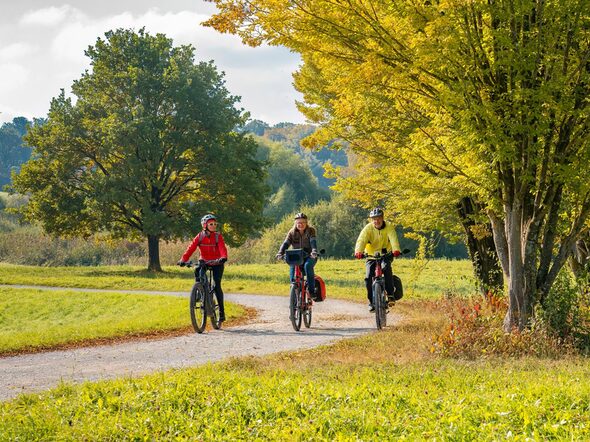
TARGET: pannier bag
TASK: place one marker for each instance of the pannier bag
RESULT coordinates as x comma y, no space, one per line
319,293
294,257
399,290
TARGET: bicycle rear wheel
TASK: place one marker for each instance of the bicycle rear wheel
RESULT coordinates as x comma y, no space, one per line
295,307
307,312
215,322
380,305
197,308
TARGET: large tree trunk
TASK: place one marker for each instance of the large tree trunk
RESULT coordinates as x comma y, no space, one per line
510,244
482,250
154,253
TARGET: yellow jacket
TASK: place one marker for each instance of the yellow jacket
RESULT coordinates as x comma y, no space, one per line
372,240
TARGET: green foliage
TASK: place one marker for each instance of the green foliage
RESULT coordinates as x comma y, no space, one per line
13,152
479,99
292,137
566,311
290,181
148,146
338,225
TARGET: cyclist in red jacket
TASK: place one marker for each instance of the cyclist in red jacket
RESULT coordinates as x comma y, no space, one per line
211,248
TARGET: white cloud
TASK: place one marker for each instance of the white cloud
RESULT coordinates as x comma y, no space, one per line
12,76
261,76
16,50
183,27
51,16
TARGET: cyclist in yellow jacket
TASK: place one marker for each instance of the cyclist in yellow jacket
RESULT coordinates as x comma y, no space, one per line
377,237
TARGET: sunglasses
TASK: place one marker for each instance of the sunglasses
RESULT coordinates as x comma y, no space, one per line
212,223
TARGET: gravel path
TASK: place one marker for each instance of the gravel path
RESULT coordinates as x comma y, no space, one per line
270,332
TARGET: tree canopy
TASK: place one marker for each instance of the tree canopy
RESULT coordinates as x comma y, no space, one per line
289,179
13,152
488,99
147,147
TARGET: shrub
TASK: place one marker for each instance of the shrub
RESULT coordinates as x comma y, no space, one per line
566,310
475,330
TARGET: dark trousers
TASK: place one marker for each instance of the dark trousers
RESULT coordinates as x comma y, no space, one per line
217,275
308,270
387,275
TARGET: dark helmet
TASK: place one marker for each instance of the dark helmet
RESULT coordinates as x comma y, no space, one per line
206,219
377,211
300,215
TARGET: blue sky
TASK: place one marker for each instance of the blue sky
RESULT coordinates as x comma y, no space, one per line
42,47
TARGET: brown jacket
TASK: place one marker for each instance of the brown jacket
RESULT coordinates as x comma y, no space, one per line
305,240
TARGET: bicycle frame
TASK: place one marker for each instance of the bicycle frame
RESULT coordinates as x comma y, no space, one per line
202,301
300,300
208,284
380,302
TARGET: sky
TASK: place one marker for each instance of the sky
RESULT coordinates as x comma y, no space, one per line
42,44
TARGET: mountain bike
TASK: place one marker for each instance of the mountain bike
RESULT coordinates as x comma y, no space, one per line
300,301
381,302
203,299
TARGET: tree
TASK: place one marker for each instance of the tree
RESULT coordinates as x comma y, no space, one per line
12,151
147,148
290,180
490,97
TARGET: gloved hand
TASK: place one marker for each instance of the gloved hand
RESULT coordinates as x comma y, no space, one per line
396,253
279,256
358,255
222,260
314,254
181,263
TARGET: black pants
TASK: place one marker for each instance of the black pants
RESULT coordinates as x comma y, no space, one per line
387,275
217,275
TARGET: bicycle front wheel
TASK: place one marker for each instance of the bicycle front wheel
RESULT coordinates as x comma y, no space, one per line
197,308
214,305
295,307
380,305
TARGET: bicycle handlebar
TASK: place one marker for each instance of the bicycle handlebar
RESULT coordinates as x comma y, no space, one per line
202,262
385,255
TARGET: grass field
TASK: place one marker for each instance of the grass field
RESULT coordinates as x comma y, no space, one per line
34,319
384,386
344,278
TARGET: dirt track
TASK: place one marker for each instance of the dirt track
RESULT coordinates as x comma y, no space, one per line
270,332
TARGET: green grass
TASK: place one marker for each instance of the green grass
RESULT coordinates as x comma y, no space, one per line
251,399
36,319
344,278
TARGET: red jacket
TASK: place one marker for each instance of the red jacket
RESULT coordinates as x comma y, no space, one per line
206,243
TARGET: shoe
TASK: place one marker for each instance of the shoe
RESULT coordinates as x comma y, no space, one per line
371,307
221,318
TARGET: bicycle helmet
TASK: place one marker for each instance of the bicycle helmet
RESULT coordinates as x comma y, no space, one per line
206,219
300,215
377,211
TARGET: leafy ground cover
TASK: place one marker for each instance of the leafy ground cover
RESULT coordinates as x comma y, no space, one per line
344,278
33,320
384,386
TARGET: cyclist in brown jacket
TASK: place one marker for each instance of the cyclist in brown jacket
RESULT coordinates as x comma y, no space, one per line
301,236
